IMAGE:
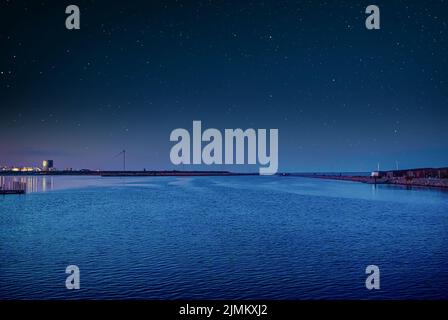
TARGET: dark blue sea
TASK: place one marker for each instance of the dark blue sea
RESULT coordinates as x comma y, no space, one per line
241,237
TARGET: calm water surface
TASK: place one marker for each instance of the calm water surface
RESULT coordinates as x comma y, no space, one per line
222,238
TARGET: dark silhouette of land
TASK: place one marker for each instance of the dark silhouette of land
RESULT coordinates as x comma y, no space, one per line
102,173
421,177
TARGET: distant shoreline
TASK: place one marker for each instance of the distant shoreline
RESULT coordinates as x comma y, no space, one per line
441,183
386,177
125,173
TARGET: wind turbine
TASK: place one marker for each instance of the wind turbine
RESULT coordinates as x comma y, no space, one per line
124,158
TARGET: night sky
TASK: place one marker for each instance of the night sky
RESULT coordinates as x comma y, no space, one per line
343,98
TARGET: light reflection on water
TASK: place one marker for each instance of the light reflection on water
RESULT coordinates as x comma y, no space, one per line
33,183
43,183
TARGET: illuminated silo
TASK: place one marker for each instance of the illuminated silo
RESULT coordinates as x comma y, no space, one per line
47,165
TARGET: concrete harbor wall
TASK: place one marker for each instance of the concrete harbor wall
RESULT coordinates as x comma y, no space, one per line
427,177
